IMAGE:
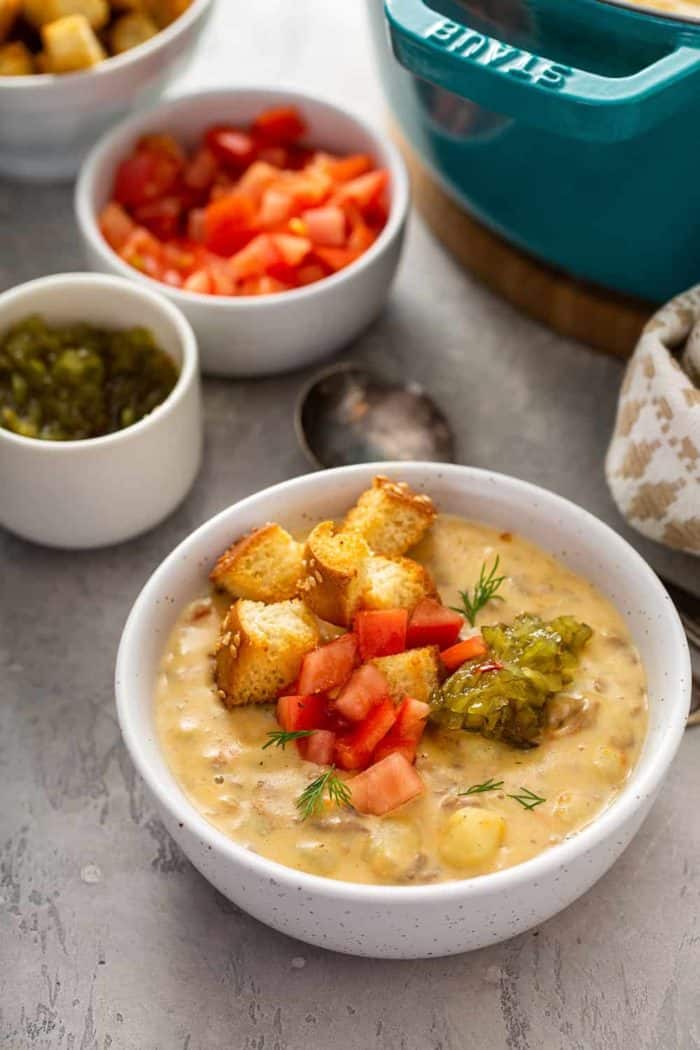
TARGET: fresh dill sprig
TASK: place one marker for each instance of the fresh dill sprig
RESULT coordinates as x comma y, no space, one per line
485,591
528,799
280,738
328,783
479,789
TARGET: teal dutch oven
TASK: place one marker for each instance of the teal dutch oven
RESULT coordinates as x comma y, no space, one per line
571,127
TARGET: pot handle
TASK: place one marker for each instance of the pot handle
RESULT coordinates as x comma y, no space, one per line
509,80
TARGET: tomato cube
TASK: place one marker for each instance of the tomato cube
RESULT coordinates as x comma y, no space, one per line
230,146
406,732
329,666
469,649
366,688
325,225
385,786
161,217
365,189
283,124
318,747
432,623
229,223
354,749
381,632
258,256
145,176
303,712
116,225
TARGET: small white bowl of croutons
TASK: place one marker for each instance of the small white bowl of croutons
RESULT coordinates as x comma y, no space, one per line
71,68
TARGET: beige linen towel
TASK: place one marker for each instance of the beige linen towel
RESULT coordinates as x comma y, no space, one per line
653,463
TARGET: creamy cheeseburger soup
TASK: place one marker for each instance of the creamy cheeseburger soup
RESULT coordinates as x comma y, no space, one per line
477,799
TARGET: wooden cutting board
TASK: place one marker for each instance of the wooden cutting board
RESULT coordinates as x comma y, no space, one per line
606,321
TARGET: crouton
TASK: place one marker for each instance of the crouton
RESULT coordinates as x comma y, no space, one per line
16,60
41,12
333,576
70,44
414,673
391,516
264,566
394,583
9,9
131,30
261,649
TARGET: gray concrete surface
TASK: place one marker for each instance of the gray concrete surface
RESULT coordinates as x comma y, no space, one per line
108,939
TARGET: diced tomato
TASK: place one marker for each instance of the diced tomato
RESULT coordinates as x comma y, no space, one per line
229,224
303,712
198,281
116,225
336,258
231,146
276,207
278,156
366,687
381,632
201,171
292,249
342,169
265,285
280,125
310,273
325,225
142,251
258,256
318,748
406,732
469,649
365,189
145,176
385,786
196,229
432,623
161,217
329,666
353,750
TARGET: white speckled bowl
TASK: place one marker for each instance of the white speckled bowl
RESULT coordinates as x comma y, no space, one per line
420,921
251,335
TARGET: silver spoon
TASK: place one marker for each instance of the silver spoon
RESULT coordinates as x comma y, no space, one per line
347,415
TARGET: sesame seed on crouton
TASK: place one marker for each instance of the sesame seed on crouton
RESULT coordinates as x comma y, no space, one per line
391,516
333,578
266,565
261,648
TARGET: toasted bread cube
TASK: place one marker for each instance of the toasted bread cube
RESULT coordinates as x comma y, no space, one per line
264,566
41,12
9,9
395,583
391,516
415,673
71,45
16,60
261,649
333,567
130,31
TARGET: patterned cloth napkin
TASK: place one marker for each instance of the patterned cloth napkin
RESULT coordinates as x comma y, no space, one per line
653,462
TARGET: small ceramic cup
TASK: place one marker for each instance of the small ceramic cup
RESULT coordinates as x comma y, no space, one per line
258,334
99,491
48,122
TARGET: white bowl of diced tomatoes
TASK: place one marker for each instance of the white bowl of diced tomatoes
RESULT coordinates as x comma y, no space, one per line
409,921
274,220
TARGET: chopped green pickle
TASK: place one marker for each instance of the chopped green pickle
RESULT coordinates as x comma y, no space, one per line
68,382
503,696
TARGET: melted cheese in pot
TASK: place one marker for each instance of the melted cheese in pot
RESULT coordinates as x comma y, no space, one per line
582,764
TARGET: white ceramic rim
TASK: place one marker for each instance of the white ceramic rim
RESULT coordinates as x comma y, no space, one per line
399,198
45,81
188,367
603,827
